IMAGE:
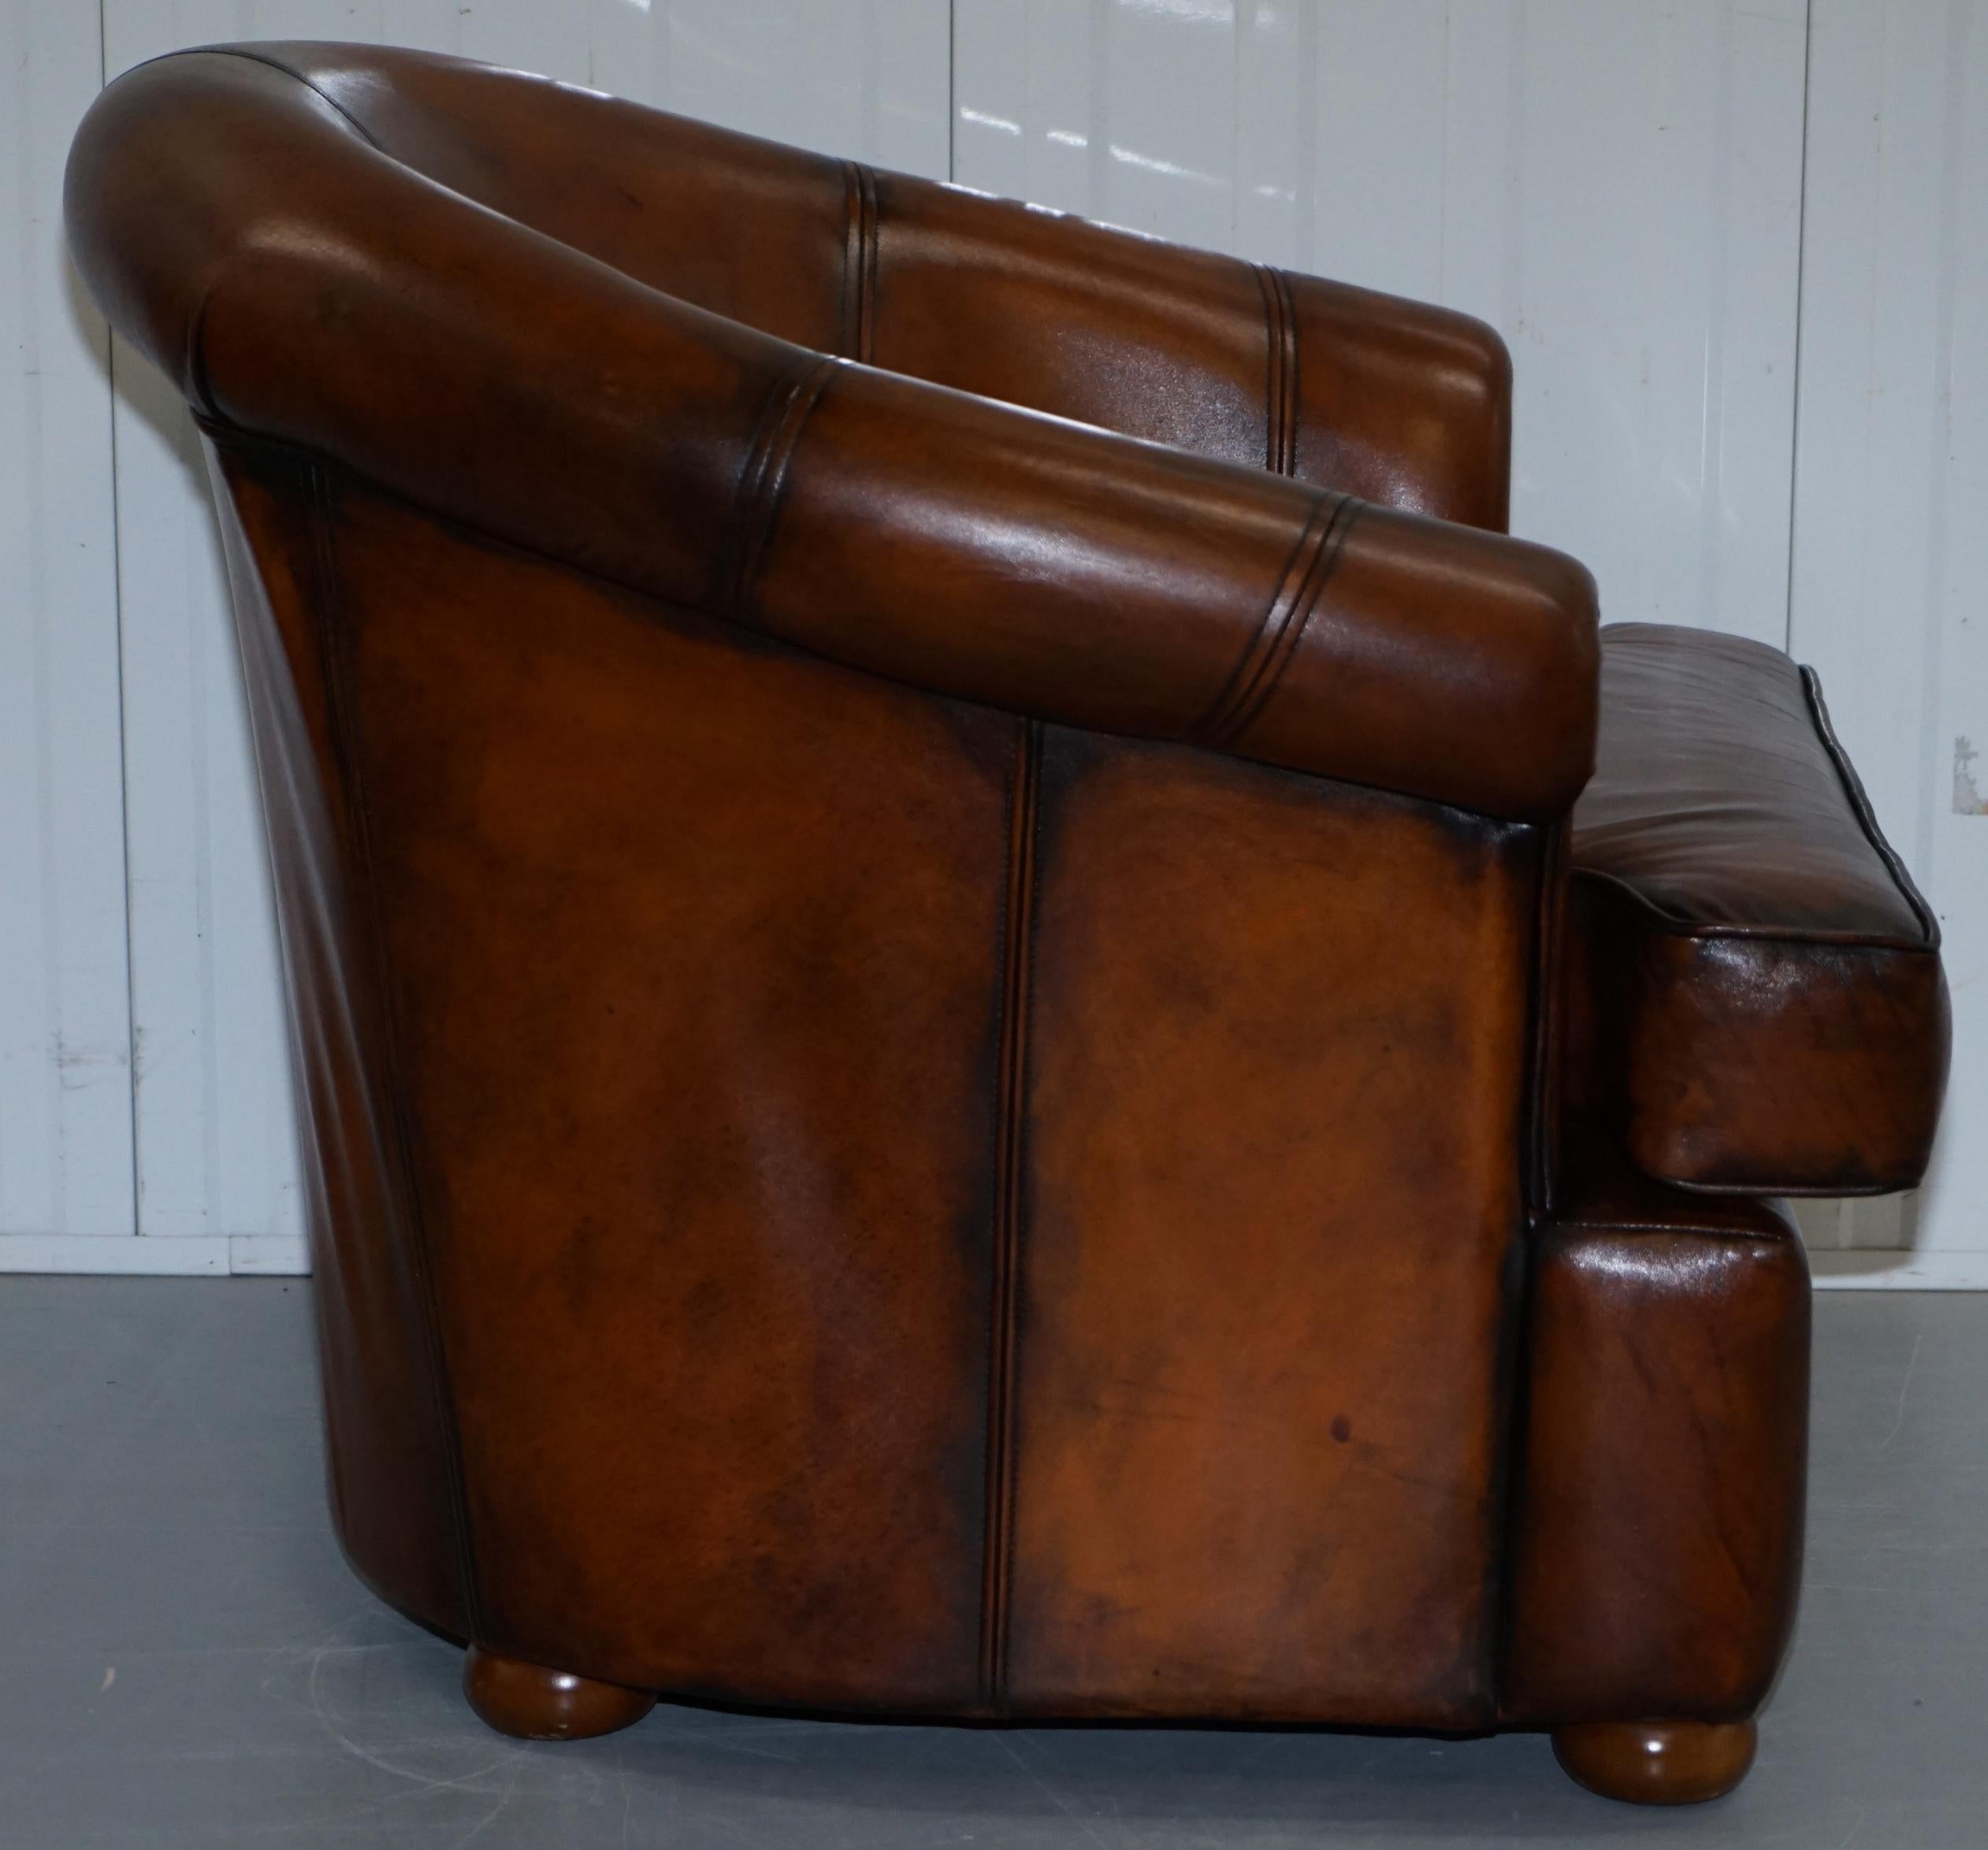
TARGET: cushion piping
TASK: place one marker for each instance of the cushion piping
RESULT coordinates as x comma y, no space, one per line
1928,941
1860,807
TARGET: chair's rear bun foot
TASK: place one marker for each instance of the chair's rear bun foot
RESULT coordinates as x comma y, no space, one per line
534,1703
1656,1762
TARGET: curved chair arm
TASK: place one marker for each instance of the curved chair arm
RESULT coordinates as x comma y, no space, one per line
302,286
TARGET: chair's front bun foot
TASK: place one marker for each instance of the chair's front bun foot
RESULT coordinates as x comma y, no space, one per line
534,1703
1656,1762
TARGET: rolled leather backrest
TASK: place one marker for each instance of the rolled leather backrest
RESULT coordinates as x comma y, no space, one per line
1394,401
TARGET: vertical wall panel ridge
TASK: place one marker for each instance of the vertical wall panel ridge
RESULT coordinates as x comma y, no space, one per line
1890,554
65,1160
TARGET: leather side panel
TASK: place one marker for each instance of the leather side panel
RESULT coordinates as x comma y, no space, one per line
696,948
1657,1546
389,1429
1275,1081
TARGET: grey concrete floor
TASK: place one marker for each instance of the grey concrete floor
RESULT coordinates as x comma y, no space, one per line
188,1662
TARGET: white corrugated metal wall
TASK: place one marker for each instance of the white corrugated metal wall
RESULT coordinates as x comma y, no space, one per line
1728,243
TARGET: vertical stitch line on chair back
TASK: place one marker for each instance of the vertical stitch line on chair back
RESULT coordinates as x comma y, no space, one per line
1011,1114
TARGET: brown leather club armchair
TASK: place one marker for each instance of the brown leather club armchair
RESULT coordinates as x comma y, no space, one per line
968,1063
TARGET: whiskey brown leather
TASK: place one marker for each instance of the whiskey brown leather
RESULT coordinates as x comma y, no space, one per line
1392,401
1656,1546
1269,1223
300,284
1776,1018
922,852
394,1484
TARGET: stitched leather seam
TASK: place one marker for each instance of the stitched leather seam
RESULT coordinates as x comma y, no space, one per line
1280,391
1011,1119
1290,581
1660,919
1031,935
858,338
1539,1184
1675,924
1343,517
1860,807
333,657
1255,676
1550,927
761,480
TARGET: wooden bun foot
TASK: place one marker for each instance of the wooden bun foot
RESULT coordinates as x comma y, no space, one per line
1656,1762
534,1703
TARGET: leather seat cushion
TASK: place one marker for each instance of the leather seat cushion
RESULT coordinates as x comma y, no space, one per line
1756,1000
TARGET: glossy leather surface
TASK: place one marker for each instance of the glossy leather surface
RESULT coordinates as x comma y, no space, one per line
921,850
1761,998
1250,1345
517,385
1657,1533
396,1479
695,952
1396,401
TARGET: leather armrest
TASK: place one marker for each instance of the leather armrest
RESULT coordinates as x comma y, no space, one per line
1052,569
301,285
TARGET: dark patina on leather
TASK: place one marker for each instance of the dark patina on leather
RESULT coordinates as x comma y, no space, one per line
1777,1015
923,853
